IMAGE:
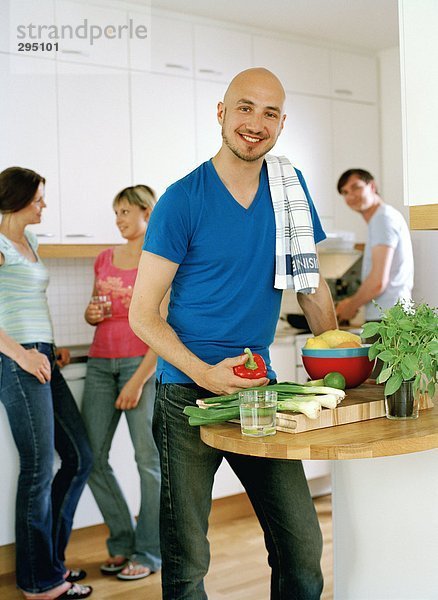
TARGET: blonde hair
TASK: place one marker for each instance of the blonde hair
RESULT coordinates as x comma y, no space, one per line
137,195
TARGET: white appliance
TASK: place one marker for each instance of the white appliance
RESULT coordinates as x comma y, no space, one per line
121,458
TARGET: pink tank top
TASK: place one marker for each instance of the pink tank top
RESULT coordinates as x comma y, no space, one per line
113,337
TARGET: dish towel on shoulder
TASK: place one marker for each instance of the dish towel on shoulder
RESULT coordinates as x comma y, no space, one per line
296,261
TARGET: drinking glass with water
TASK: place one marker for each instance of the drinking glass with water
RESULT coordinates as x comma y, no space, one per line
257,412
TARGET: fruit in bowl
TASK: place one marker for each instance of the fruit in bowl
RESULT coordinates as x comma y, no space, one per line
352,362
334,338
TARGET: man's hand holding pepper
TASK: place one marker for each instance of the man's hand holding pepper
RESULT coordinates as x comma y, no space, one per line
221,378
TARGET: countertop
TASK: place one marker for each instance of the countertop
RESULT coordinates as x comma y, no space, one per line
78,353
365,439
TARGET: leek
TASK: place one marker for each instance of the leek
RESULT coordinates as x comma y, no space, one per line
285,389
307,399
308,406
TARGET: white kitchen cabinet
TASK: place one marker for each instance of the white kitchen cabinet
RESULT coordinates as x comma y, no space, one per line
110,48
28,129
175,58
220,53
300,67
168,47
306,140
122,458
282,353
419,95
354,76
300,371
140,48
356,144
208,130
94,150
22,13
163,129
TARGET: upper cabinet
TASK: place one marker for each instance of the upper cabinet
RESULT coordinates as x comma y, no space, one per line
16,16
356,144
208,130
354,77
418,54
175,58
94,150
301,68
100,35
28,129
220,53
140,48
163,139
306,140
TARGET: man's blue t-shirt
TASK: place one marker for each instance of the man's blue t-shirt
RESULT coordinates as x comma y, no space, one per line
223,297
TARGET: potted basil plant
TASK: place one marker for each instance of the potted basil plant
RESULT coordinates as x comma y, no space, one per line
407,345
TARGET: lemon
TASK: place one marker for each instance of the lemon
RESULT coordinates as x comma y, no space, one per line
334,337
316,343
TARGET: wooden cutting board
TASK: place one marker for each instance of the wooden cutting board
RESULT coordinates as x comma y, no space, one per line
360,404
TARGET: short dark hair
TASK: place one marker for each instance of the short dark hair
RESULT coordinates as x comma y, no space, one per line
18,187
361,173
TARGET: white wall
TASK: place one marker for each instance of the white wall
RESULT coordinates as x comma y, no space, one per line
424,242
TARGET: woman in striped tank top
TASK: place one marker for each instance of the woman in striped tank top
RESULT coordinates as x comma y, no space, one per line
42,413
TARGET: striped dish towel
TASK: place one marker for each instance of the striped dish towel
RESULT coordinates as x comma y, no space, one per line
296,261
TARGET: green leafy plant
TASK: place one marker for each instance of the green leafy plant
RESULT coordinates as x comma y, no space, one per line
407,346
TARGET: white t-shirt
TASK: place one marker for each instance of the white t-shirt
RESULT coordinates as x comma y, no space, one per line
387,227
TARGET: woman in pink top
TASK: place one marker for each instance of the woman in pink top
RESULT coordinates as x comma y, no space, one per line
120,380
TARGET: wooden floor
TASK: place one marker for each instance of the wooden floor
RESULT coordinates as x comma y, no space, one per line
238,569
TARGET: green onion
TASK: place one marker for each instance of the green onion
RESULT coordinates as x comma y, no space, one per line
306,405
284,388
306,399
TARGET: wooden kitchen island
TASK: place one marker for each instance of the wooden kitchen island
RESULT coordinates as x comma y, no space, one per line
385,506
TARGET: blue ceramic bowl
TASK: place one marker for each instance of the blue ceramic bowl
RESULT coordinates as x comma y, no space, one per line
336,352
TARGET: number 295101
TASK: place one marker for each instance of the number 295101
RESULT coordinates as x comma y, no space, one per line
38,47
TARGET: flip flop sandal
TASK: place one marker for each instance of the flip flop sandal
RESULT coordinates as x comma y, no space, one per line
132,575
111,568
76,592
75,575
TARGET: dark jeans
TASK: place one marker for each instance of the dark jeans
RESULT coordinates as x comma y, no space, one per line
44,417
277,489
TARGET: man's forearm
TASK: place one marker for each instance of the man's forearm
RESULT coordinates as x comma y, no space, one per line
369,290
318,309
162,339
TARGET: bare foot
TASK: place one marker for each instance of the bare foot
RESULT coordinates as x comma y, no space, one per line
50,594
134,570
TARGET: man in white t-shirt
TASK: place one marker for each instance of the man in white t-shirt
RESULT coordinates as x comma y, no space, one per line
388,263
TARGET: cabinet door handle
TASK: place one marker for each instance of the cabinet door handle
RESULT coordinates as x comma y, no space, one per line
45,235
79,235
78,52
344,92
210,71
175,66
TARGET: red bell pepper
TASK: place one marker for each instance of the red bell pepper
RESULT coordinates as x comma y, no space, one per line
254,368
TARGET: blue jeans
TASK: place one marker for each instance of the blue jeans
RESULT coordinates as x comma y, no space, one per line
44,417
277,489
104,381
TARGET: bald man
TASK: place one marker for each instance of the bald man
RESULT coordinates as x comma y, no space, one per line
211,239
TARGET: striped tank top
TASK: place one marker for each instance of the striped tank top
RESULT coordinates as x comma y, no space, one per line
24,312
